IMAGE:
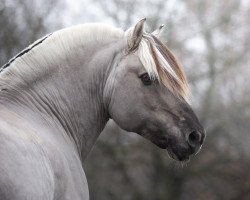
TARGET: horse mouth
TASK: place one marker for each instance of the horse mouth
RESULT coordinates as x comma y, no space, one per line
184,157
176,152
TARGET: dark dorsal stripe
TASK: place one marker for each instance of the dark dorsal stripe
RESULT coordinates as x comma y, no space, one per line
24,52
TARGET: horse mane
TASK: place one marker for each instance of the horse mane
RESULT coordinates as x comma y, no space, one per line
48,49
162,65
158,60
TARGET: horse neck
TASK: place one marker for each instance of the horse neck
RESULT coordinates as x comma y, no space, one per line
69,97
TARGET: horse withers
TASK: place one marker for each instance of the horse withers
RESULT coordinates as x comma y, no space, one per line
57,95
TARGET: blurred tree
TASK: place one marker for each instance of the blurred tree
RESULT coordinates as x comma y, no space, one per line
23,22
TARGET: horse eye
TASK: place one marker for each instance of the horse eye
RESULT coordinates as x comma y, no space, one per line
146,79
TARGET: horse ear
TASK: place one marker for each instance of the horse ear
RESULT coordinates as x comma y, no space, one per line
135,36
158,31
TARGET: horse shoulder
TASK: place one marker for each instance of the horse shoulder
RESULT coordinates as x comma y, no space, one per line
35,166
25,172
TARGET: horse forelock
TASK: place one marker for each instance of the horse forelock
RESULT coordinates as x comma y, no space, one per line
161,64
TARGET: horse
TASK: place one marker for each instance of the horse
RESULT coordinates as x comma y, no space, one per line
57,95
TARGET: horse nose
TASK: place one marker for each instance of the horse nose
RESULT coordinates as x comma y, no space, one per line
195,140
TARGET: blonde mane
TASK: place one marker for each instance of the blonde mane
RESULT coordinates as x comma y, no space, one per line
161,65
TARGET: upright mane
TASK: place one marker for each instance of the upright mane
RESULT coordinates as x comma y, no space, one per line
51,48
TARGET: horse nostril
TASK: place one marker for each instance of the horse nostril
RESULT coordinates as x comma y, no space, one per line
194,138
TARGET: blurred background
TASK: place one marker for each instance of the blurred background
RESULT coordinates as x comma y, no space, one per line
212,41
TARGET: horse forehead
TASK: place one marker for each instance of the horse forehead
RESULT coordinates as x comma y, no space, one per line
133,60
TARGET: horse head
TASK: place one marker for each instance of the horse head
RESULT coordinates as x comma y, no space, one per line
149,95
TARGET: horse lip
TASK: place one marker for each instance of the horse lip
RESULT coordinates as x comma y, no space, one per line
184,159
172,155
164,143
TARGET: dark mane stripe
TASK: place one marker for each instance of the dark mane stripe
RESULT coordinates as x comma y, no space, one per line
24,52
